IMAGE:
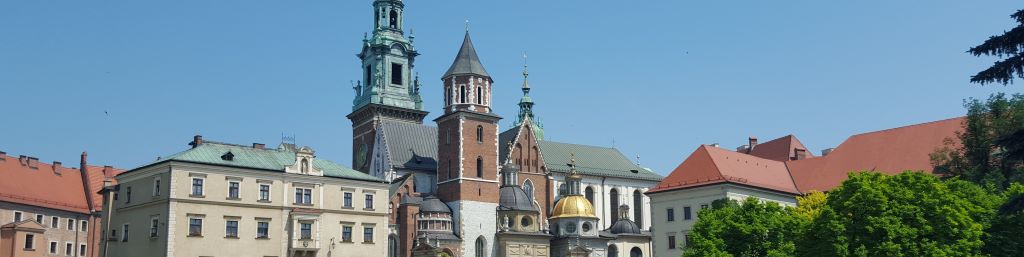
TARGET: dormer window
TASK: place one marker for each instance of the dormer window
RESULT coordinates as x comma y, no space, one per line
304,166
228,156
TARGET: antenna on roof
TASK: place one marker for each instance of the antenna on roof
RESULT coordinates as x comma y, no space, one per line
287,139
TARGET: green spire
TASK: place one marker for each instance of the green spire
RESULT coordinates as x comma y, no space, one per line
526,106
387,62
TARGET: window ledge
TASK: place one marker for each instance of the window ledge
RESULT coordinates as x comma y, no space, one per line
303,204
29,249
199,236
368,243
154,237
368,209
263,201
233,198
263,238
346,241
197,196
231,237
347,207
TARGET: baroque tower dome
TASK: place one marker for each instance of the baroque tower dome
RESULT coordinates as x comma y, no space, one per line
574,204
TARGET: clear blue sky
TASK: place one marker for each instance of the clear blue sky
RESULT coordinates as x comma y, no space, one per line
657,77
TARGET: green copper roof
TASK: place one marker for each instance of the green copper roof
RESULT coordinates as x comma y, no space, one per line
593,160
265,159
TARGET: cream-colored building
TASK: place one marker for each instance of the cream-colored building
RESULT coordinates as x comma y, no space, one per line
229,200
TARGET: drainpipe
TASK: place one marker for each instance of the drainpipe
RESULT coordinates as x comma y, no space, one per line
603,200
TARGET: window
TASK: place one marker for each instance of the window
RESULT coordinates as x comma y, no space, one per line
17,216
368,235
348,200
71,224
462,94
368,204
612,251
670,214
528,187
156,186
68,248
124,233
480,244
306,230
154,227
81,250
53,247
479,134
638,207
393,20
613,200
703,206
636,252
128,195
54,222
449,169
30,241
671,242
195,227
113,234
197,186
479,95
479,167
396,73
85,226
231,229
262,229
233,189
264,192
686,213
303,196
589,193
346,233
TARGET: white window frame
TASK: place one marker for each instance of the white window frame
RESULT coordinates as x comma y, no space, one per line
83,225
202,225
239,195
83,250
54,222
71,224
68,246
372,199
125,228
41,219
18,216
303,198
154,231
270,192
202,187
53,247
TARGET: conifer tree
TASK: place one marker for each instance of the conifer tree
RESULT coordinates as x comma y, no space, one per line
1009,45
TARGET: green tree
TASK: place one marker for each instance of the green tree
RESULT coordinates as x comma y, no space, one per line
910,214
752,228
990,151
1009,45
1007,230
808,206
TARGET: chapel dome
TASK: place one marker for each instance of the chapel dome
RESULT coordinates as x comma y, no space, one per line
573,206
432,204
515,198
624,226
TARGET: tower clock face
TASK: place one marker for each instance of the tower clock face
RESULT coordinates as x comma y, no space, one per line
361,155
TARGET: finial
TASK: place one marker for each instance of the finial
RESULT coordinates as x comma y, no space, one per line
467,25
637,159
526,72
572,160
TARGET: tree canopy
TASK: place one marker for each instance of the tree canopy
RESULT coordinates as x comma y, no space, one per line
1010,46
750,228
990,149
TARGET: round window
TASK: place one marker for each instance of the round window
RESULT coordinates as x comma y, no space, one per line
526,222
586,227
570,227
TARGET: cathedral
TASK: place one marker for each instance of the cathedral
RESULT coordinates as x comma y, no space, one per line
463,186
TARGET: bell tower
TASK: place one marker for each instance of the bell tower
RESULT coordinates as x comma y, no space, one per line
389,88
467,170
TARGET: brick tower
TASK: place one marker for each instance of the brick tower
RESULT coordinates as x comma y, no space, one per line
389,90
467,170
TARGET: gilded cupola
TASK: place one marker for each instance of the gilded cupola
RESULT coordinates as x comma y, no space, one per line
574,204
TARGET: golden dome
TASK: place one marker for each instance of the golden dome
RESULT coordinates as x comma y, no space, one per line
573,206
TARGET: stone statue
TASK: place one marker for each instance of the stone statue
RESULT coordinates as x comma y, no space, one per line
416,85
505,223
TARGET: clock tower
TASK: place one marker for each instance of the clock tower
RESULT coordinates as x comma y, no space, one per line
389,89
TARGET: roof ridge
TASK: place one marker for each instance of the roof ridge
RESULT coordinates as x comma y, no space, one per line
713,162
564,143
907,126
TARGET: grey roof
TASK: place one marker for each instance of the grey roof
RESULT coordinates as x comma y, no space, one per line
411,146
514,198
432,204
593,160
441,236
397,183
624,226
503,140
466,62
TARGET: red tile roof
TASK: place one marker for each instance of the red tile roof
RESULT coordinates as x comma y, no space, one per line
30,182
712,165
780,149
890,151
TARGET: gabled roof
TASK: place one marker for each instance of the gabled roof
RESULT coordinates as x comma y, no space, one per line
466,62
890,151
593,161
712,165
411,146
30,182
780,149
210,153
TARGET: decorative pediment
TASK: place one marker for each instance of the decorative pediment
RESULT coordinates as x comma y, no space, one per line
304,160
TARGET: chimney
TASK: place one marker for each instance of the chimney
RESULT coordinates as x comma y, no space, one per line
108,171
827,151
196,141
33,162
3,156
258,146
743,149
56,167
751,143
22,160
799,153
84,172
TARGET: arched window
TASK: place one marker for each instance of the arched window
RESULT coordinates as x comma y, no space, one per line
589,193
392,246
613,251
562,190
479,95
304,166
613,204
394,19
528,187
638,207
635,252
479,134
479,167
481,243
462,94
449,169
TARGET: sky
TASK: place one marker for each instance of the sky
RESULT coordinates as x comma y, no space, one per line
129,81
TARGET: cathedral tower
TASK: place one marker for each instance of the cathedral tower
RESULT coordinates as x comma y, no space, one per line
467,170
389,89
